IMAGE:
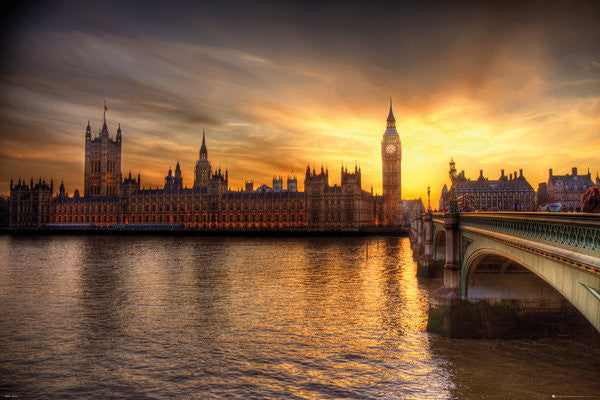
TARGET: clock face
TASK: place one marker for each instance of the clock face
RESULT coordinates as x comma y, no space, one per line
390,148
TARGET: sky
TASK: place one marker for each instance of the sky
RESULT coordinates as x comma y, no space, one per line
279,85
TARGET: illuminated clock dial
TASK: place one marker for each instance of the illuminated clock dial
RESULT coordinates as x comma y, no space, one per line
390,148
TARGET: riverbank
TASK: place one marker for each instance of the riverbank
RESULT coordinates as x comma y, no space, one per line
202,232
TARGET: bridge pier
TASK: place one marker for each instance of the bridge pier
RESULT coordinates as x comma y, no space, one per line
445,304
417,243
426,264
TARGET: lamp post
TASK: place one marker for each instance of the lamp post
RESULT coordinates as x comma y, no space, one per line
428,198
452,173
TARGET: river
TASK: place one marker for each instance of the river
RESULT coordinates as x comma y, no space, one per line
234,317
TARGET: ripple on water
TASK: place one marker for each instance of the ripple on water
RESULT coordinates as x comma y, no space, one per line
294,318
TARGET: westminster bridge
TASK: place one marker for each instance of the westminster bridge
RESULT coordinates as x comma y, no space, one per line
508,273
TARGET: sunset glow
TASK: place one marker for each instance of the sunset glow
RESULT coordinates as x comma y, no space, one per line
277,88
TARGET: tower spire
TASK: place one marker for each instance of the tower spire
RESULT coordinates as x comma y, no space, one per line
391,120
203,152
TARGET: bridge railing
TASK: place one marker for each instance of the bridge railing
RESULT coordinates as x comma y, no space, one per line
578,232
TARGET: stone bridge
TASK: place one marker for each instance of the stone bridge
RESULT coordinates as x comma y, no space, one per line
510,274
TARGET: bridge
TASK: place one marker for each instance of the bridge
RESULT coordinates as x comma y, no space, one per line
507,273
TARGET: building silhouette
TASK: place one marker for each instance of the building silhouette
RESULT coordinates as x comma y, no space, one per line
111,201
507,193
567,189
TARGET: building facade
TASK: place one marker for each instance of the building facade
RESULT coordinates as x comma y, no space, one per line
507,193
391,162
102,167
567,189
111,201
343,207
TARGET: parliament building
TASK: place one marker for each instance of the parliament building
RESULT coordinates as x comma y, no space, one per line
111,201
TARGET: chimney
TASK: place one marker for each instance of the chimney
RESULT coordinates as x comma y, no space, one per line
550,172
574,171
510,177
502,175
521,173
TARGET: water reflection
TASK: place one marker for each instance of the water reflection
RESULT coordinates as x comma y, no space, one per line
241,317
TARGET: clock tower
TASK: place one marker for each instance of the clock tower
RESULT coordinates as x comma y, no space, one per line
391,160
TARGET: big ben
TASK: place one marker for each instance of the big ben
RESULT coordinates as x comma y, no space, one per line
391,160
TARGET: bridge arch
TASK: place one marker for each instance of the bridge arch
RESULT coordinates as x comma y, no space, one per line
493,274
557,282
506,264
439,245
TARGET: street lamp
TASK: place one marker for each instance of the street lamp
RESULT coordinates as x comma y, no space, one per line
428,198
452,173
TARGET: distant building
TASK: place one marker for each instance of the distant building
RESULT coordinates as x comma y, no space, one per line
567,189
344,207
412,209
111,201
507,193
4,211
542,194
31,204
443,203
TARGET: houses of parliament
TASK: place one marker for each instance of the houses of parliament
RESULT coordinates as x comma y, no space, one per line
110,200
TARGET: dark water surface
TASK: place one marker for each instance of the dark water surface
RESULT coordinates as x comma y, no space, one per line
310,318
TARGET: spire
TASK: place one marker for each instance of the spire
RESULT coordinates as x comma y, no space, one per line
203,152
104,130
391,121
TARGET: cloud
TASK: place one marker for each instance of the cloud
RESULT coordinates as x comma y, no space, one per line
277,87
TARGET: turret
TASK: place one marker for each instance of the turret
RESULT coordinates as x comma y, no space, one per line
104,131
61,191
88,131
119,134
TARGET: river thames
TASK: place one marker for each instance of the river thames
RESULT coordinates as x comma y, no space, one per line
234,317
